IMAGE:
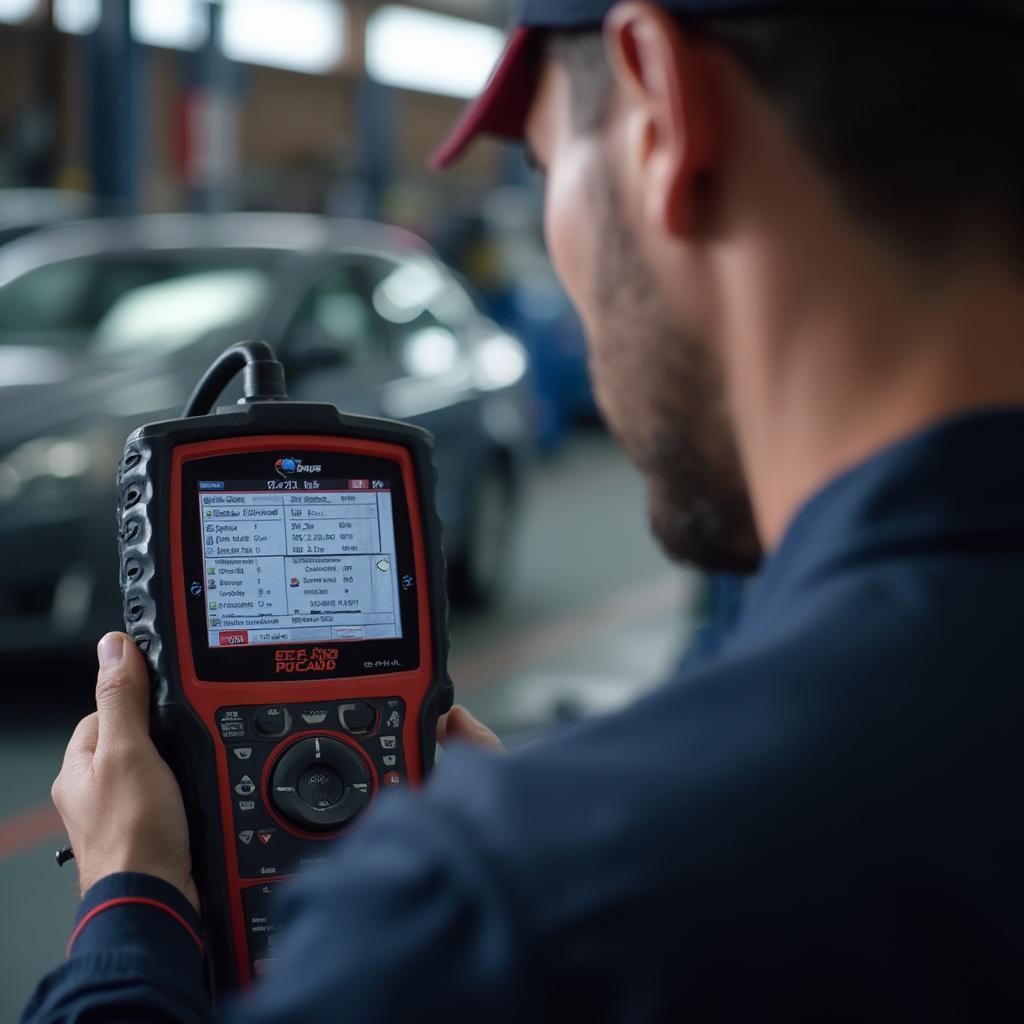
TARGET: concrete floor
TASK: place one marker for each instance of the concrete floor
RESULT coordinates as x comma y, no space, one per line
593,617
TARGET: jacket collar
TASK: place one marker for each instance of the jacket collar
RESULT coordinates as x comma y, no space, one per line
958,484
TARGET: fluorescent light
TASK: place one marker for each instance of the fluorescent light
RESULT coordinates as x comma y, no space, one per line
13,11
299,35
79,17
176,24
415,49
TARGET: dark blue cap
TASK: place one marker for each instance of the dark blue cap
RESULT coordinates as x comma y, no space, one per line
503,106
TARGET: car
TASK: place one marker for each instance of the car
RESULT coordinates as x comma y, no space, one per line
108,324
27,209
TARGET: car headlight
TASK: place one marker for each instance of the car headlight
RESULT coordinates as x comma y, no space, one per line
56,464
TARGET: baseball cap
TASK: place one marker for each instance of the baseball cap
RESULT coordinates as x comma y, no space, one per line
503,106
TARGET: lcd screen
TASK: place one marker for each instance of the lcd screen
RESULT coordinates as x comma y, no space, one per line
298,561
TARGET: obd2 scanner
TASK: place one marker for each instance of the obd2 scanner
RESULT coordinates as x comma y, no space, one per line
282,572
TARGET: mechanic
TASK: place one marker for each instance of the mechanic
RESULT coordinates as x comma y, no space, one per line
795,232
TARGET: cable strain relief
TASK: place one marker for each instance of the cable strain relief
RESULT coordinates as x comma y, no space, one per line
263,381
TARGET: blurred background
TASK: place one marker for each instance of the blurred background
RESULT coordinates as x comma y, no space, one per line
178,174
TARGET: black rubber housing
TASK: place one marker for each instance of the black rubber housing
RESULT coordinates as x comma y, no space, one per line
143,516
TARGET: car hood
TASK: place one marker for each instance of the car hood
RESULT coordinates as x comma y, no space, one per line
43,393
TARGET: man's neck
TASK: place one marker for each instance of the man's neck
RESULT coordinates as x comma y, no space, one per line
862,368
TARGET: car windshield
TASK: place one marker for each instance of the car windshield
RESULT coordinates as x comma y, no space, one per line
133,304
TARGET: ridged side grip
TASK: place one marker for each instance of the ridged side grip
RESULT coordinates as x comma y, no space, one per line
137,513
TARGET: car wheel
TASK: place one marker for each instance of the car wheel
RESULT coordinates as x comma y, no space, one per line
478,574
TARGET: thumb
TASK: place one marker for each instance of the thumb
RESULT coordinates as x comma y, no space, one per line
122,691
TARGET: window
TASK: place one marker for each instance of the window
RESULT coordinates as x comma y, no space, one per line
336,318
79,17
15,11
178,24
132,304
416,49
298,35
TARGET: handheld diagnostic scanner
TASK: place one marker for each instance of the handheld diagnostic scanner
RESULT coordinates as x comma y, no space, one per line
282,572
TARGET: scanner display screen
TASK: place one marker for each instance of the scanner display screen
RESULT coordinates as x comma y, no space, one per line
299,565
285,564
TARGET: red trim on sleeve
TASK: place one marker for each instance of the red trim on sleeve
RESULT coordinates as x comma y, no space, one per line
138,901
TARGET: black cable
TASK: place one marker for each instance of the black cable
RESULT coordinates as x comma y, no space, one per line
262,381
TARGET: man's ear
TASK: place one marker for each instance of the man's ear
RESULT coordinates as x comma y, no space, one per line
667,109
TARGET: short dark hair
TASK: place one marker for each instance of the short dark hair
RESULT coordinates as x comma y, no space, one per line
919,126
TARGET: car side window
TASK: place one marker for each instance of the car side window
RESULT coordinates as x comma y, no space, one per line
335,320
422,311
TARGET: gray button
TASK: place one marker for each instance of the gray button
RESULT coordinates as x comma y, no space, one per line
243,753
389,742
246,787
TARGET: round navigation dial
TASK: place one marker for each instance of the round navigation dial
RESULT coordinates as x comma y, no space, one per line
319,784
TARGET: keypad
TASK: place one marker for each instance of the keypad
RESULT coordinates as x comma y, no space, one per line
266,850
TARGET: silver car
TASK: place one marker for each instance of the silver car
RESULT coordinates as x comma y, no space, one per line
108,324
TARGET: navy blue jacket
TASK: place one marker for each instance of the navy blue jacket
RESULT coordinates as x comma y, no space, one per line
822,823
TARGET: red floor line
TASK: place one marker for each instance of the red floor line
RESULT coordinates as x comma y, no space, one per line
31,828
539,643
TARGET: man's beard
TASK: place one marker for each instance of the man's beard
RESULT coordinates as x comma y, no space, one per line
665,400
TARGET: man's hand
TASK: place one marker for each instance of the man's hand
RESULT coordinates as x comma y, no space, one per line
459,725
120,803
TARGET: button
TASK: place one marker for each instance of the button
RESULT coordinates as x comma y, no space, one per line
246,787
393,720
321,787
392,779
265,836
231,725
314,717
273,722
389,742
319,783
357,717
247,805
246,836
390,760
242,753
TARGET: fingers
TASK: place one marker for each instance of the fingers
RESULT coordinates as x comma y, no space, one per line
122,692
82,744
460,725
77,759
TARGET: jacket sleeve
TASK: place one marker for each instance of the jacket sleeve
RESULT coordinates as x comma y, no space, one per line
409,917
135,954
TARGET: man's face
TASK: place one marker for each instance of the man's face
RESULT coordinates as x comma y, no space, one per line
656,378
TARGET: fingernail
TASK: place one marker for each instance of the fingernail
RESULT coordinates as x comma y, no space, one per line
111,649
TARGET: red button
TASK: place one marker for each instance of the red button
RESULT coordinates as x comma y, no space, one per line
392,779
234,638
264,837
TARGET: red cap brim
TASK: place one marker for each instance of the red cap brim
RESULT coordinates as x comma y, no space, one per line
504,104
